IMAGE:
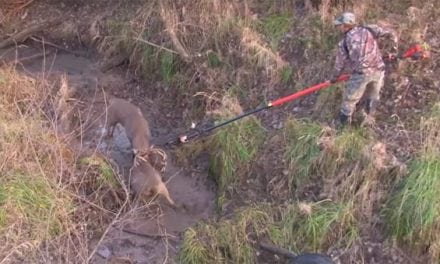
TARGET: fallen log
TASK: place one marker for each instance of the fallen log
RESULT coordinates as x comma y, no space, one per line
32,57
277,250
26,33
76,53
306,258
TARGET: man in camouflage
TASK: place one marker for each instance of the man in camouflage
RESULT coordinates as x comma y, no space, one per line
358,51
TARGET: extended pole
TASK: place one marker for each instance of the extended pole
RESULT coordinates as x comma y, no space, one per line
415,52
278,102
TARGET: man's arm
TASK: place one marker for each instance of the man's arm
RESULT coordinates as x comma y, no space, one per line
341,59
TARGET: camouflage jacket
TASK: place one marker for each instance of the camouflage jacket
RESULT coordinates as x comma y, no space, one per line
359,51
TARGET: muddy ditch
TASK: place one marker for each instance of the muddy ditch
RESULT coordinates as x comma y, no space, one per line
153,232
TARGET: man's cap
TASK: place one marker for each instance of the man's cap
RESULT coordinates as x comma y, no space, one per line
346,18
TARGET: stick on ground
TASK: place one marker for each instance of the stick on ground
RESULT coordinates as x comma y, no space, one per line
32,57
81,54
277,250
26,33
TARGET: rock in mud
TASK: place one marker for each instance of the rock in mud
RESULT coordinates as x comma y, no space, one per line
104,251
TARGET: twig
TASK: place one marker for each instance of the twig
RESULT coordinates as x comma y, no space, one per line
15,10
15,250
82,54
155,236
107,230
6,160
277,250
24,34
115,219
155,45
25,4
32,57
172,176
170,21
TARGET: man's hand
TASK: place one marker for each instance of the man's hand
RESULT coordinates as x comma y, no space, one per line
416,56
391,56
183,139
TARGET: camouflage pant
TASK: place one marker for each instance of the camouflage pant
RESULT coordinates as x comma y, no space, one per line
356,87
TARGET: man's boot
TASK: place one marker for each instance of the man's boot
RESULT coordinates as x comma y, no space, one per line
342,120
370,110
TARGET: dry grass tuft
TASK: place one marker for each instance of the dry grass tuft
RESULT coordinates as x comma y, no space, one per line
12,8
316,226
357,168
302,151
300,227
49,196
260,54
232,148
229,241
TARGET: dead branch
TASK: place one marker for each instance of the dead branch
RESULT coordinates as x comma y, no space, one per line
82,54
277,250
26,33
155,45
153,236
33,57
17,9
170,20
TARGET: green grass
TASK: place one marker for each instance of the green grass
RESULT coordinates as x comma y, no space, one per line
34,199
413,211
353,170
149,61
106,175
346,151
41,182
276,26
239,92
324,37
3,213
32,206
167,66
286,74
229,240
214,60
122,34
328,103
193,249
315,227
233,148
226,241
302,150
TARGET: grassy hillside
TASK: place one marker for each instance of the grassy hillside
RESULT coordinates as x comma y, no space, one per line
282,176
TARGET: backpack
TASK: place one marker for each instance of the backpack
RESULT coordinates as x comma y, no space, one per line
344,44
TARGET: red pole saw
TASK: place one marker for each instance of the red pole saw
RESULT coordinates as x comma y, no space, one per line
415,52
